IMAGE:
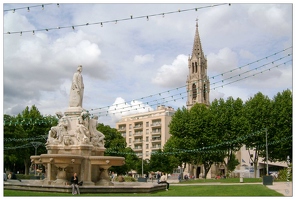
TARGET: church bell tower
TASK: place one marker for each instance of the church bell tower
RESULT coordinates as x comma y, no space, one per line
198,84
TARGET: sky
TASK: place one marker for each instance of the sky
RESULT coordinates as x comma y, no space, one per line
135,56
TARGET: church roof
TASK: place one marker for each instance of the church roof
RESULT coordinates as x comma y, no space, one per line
197,49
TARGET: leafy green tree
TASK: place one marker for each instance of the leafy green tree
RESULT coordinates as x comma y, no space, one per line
115,145
179,130
162,161
201,135
257,111
25,130
228,124
280,130
14,140
146,166
193,138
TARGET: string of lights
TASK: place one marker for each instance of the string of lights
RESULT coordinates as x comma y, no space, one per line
114,21
206,149
28,7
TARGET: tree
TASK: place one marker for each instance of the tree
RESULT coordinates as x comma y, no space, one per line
115,145
257,111
280,130
161,161
179,130
229,125
27,127
14,139
202,135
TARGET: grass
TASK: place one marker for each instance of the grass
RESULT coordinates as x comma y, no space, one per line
191,190
224,180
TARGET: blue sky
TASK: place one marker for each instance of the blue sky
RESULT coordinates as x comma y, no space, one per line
134,65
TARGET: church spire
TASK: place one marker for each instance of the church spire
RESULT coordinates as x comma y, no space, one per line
198,84
197,49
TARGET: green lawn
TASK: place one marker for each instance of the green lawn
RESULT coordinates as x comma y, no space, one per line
192,190
224,180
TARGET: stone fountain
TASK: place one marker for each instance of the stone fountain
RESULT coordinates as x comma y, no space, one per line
75,145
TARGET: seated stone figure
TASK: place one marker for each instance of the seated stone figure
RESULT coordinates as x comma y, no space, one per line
83,135
97,138
57,133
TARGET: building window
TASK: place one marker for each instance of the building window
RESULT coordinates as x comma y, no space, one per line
130,140
147,131
147,124
147,146
130,133
205,92
194,93
147,139
195,67
130,126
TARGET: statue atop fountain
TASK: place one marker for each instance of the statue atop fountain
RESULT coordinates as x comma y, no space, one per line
75,144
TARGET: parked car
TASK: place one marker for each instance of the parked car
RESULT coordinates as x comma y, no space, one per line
5,177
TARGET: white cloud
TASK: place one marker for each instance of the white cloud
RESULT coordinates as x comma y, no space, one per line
143,59
247,54
224,60
122,108
173,75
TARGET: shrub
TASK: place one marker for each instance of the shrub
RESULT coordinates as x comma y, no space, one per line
285,174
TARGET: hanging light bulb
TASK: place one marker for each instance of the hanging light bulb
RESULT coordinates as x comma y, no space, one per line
42,7
58,5
13,11
162,14
33,32
147,18
28,9
21,33
101,24
73,28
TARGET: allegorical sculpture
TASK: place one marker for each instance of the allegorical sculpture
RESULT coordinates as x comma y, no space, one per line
77,89
76,126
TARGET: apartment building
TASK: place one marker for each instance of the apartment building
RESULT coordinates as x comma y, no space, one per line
146,132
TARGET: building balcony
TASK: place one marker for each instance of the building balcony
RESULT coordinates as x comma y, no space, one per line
138,126
156,132
138,133
158,139
156,124
120,129
123,134
138,148
156,147
138,141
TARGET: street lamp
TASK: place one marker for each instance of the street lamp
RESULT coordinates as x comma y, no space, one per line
36,145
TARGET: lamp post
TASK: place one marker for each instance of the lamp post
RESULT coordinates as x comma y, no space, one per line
36,145
266,151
